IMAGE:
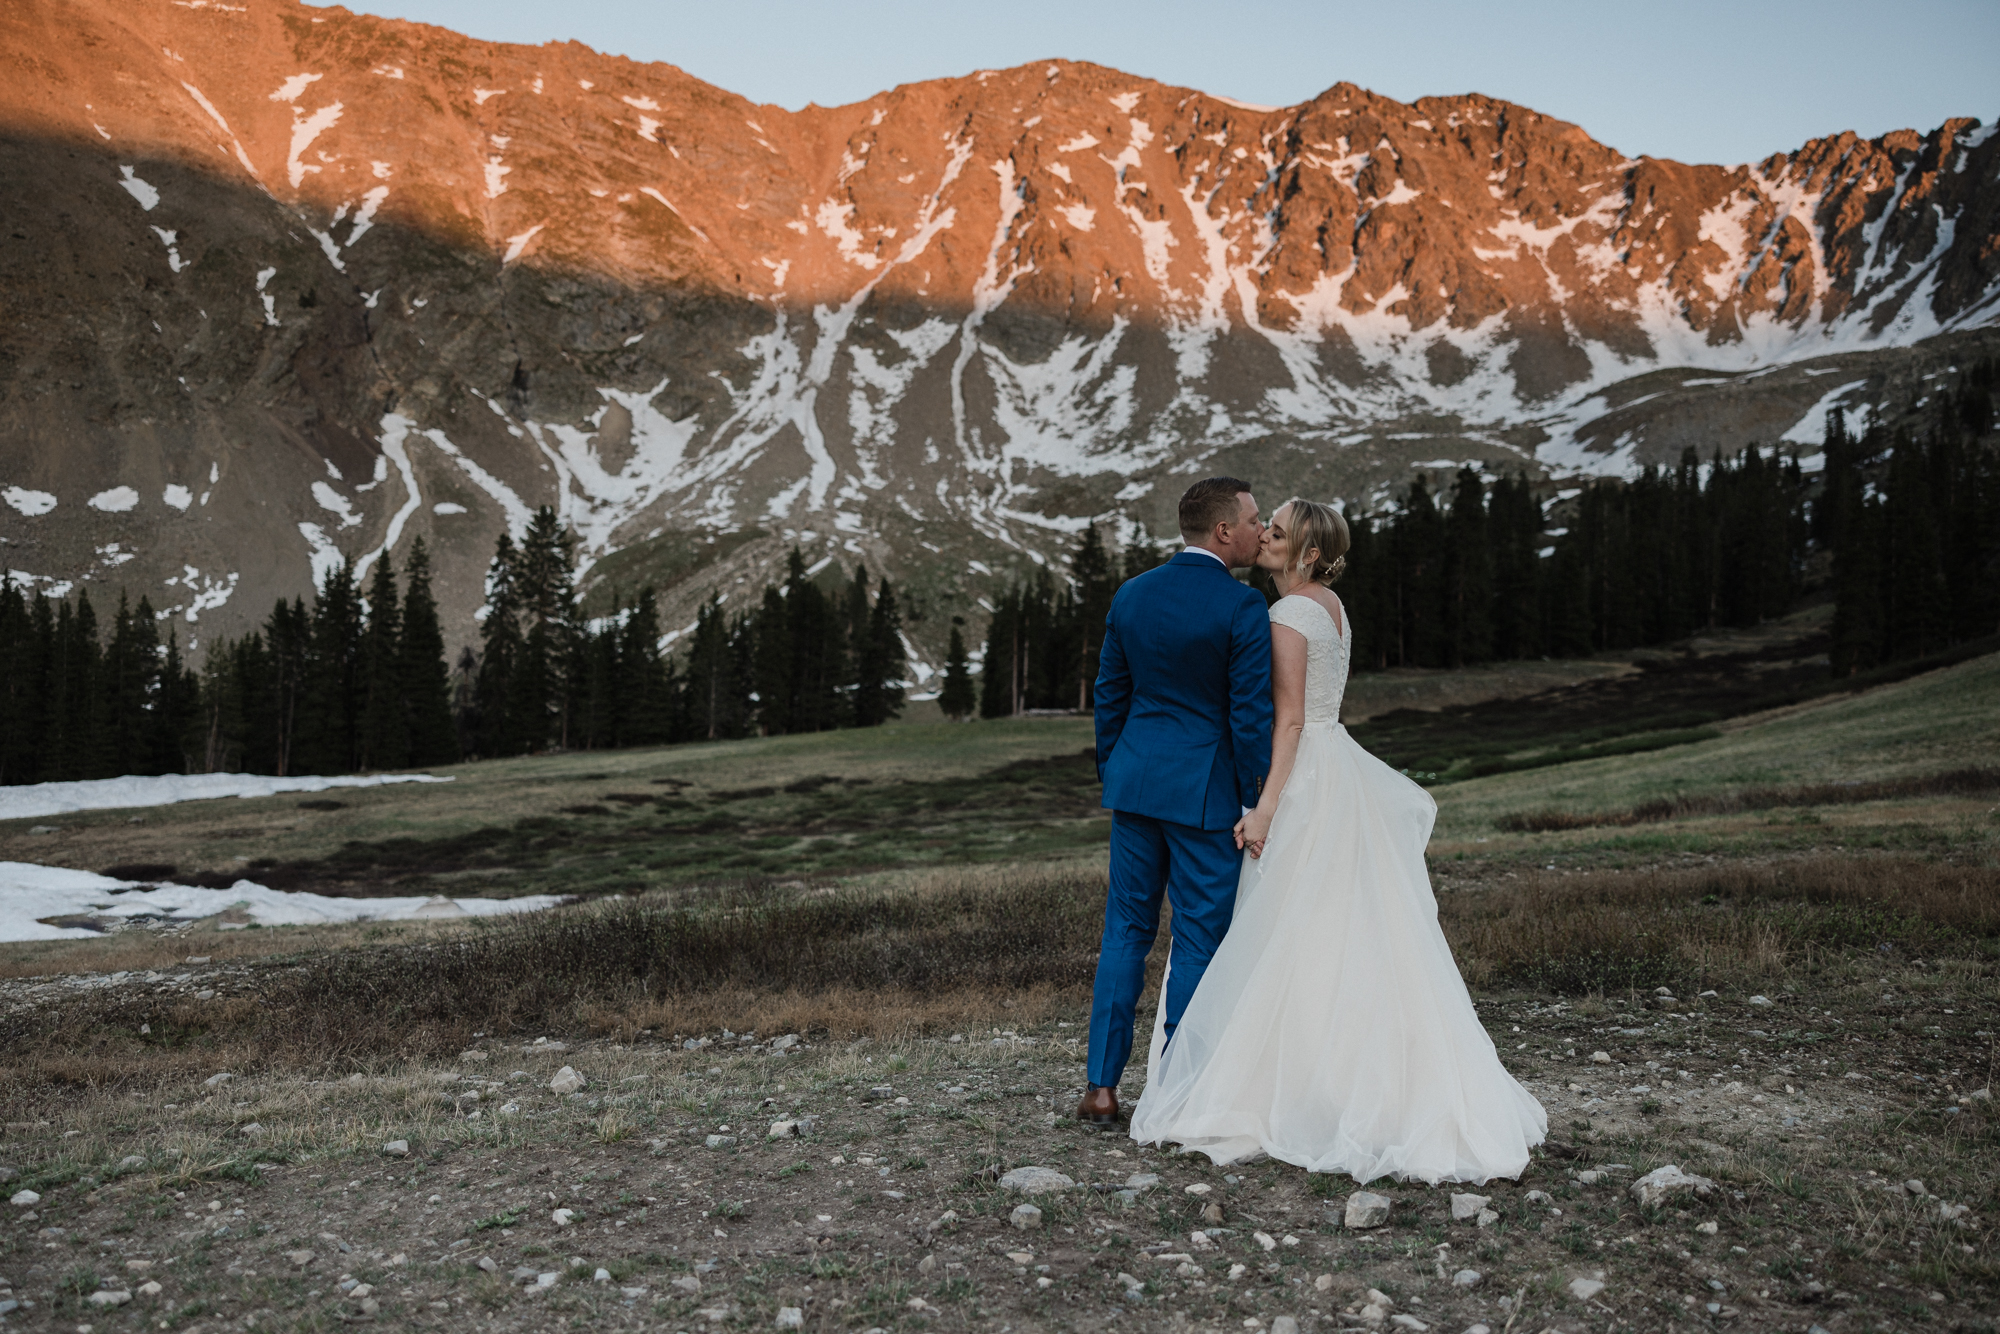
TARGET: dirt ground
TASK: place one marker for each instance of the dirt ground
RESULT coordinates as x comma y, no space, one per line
1848,1135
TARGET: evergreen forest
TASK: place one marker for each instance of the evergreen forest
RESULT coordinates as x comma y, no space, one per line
1900,528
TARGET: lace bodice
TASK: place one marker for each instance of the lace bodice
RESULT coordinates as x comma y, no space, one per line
1327,650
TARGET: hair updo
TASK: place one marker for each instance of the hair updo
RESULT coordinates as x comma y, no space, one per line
1318,527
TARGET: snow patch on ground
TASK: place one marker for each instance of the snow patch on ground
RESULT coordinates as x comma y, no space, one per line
117,500
26,502
29,893
305,129
148,197
29,800
1811,428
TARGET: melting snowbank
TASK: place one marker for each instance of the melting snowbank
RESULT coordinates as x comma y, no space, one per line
103,794
29,893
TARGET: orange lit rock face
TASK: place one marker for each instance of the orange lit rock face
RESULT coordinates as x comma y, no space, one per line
341,282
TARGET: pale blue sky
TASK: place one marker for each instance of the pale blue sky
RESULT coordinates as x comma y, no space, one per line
1696,80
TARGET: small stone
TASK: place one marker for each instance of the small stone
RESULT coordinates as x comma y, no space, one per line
130,1163
1539,1197
783,1130
1467,1278
927,1265
601,1276
1366,1209
632,1294
1035,1181
217,1080
1480,1327
360,1292
1026,1217
1211,1213
139,1266
1952,1213
791,1317
1409,1322
25,1199
1601,1057
1200,1188
150,1288
1708,1229
1265,1240
567,1080
1141,1181
688,1283
397,1148
1589,1178
563,1217
488,1263
1583,1289
1468,1206
107,1298
1652,1189
1487,1218
1915,1187
1324,1283
880,1093
1284,1324
1237,1271
300,1258
252,1131
720,1141
1761,1002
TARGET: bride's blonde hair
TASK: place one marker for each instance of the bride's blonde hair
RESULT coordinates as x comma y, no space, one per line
1321,527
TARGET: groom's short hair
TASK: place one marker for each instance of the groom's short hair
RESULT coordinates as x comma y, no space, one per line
1207,503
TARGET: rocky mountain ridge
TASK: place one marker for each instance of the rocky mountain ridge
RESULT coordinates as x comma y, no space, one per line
287,285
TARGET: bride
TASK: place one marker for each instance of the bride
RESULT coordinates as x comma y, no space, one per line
1332,1029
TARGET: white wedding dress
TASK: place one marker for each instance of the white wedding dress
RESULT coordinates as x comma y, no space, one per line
1332,1029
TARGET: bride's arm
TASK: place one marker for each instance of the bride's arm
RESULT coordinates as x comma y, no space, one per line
1288,699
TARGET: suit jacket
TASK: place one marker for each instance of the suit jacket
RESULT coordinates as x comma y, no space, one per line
1184,695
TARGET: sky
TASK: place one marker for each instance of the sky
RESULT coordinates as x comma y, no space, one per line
1694,80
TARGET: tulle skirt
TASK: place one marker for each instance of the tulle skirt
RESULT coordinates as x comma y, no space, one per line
1332,1029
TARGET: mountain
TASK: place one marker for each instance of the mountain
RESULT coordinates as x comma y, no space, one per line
285,285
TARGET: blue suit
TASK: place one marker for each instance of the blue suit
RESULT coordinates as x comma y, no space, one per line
1183,713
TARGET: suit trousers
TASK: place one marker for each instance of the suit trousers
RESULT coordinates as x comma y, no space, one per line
1197,871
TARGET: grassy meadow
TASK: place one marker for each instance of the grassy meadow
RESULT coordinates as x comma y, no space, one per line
918,904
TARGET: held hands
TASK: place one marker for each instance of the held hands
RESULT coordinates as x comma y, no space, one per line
1252,830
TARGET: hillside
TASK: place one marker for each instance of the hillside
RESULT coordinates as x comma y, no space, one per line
288,285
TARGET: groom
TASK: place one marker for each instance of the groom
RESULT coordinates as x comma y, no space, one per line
1183,743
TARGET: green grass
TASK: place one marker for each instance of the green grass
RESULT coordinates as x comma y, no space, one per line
1948,719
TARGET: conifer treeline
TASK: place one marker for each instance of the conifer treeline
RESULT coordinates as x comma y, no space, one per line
802,660
1912,521
1909,520
73,707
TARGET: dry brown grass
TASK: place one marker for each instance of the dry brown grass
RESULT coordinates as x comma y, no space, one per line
1616,931
1957,782
953,951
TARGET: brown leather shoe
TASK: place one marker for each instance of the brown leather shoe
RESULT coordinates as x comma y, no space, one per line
1099,1106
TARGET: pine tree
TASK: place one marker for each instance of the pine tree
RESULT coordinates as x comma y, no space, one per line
643,686
384,727
500,652
879,694
1095,583
717,695
1468,574
131,684
433,734
956,699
